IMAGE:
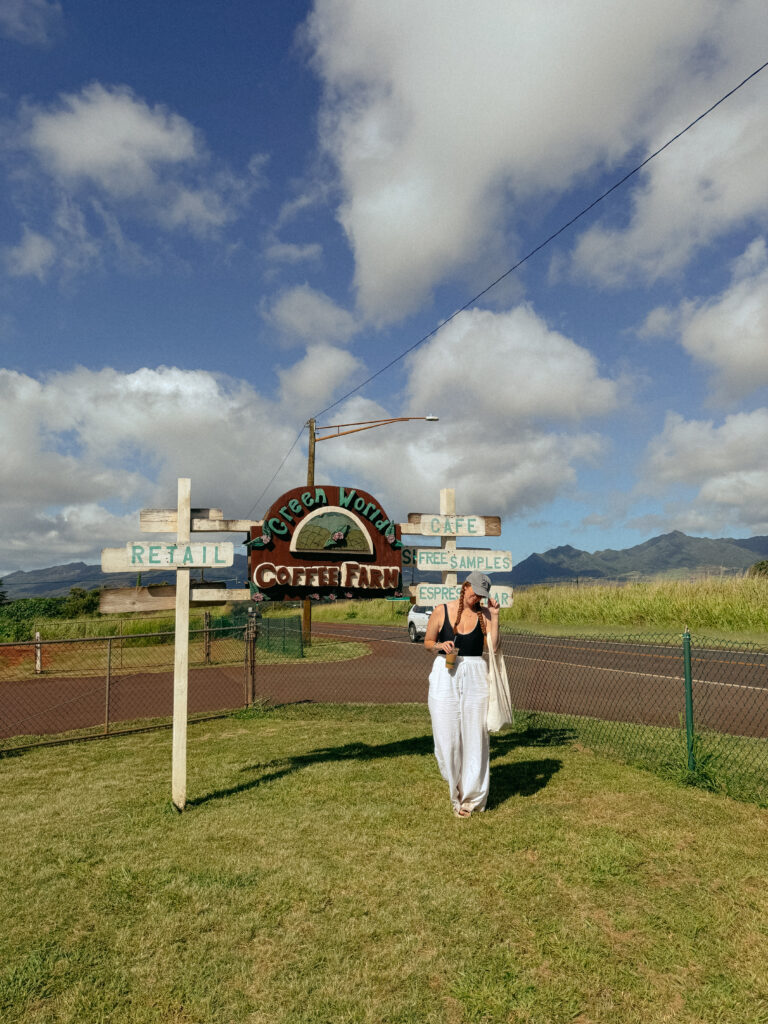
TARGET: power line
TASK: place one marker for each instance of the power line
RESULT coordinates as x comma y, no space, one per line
514,267
285,459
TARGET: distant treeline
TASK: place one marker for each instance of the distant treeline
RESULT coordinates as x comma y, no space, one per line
17,617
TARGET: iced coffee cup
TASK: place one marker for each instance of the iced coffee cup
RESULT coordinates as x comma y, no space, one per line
450,658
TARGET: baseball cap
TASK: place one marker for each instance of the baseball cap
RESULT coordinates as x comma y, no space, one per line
480,583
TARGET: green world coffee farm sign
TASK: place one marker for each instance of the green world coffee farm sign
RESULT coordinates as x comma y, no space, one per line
319,540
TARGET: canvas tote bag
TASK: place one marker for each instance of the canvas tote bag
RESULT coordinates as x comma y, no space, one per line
500,710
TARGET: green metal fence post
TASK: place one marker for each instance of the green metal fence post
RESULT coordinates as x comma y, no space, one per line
688,699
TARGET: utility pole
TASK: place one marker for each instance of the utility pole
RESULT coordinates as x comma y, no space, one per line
306,611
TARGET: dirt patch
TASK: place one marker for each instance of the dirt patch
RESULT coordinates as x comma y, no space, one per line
10,657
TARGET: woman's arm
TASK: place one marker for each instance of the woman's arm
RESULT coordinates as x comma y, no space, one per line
493,624
431,643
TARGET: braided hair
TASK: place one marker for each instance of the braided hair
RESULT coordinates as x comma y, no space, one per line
464,588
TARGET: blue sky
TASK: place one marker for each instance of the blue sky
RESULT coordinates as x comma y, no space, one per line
218,219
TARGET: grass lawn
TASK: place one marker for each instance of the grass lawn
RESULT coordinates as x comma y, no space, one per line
318,877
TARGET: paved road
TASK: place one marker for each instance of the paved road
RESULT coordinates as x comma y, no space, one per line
623,682
627,682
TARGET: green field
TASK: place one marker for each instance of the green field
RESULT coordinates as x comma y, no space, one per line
318,877
725,607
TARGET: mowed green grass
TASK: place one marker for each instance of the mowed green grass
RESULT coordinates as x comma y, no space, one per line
318,876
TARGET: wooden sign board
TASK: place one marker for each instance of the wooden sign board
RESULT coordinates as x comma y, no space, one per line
438,593
202,520
201,593
462,560
438,525
141,556
163,598
137,599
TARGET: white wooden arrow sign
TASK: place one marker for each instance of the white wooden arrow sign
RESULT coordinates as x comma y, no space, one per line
141,555
438,593
461,560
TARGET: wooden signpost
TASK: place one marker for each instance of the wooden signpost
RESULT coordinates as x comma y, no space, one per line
448,559
181,555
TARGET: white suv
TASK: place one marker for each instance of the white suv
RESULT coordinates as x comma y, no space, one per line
418,617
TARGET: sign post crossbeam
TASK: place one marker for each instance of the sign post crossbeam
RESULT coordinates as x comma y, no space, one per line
202,520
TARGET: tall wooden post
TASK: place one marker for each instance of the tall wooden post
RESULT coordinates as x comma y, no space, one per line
181,655
311,454
448,508
306,611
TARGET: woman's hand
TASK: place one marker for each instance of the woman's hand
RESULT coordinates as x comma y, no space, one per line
444,646
493,606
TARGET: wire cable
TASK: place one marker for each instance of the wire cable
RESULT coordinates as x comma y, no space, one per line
274,475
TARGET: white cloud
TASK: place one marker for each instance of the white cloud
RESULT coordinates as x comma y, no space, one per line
31,257
508,368
661,322
287,252
88,447
105,148
498,382
442,123
315,379
725,465
199,210
111,138
406,464
727,332
709,182
304,312
30,21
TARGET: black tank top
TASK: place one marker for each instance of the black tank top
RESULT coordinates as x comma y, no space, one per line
469,645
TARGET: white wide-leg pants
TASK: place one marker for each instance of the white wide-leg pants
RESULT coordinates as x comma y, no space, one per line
458,705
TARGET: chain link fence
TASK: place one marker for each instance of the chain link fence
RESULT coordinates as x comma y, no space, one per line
690,707
57,689
694,709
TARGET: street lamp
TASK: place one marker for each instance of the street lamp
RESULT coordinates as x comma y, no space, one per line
313,438
356,428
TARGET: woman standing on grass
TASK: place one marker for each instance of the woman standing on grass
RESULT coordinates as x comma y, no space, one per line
458,696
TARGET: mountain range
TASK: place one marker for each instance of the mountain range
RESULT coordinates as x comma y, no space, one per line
659,555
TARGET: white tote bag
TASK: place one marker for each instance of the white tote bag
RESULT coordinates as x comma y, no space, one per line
500,710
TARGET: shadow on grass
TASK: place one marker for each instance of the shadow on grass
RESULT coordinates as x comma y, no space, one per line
521,778
419,746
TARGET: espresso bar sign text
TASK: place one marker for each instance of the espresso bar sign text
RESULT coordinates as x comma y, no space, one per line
348,574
